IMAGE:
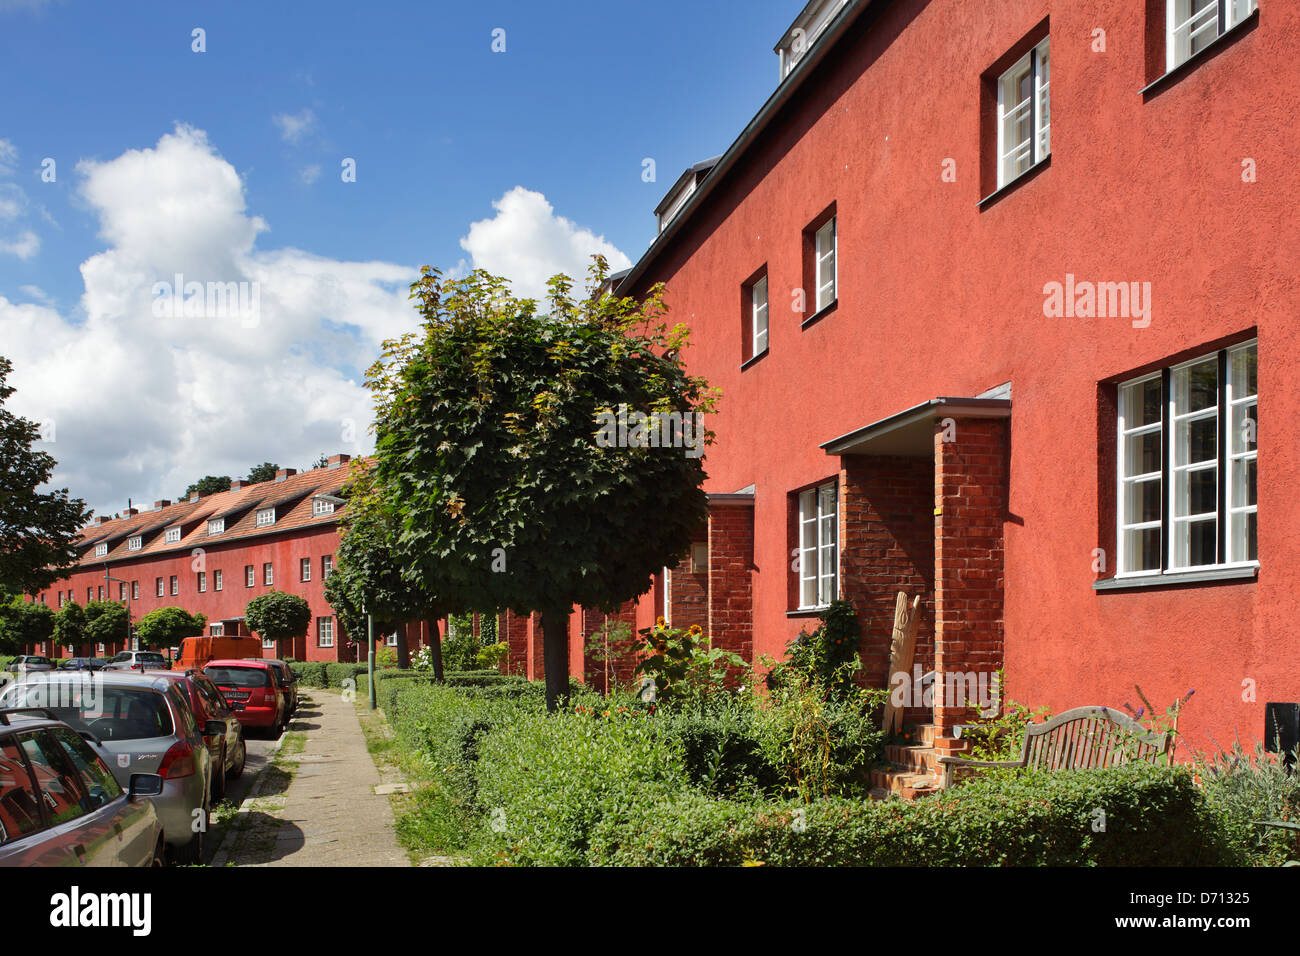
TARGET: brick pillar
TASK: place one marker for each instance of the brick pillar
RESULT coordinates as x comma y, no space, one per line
731,565
514,632
970,500
688,595
536,646
887,546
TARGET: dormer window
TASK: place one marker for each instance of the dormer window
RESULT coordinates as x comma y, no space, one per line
216,526
321,506
265,516
172,536
135,543
804,32
101,550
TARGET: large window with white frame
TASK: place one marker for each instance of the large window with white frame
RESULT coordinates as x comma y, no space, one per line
1192,25
826,273
1186,465
324,632
818,546
1024,114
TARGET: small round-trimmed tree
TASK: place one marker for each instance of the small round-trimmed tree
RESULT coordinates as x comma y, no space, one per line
278,616
70,625
107,623
165,626
498,454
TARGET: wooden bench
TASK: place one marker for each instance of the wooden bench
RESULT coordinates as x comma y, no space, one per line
1080,739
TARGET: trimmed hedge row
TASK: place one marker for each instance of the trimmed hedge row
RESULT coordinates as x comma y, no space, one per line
325,674
1137,815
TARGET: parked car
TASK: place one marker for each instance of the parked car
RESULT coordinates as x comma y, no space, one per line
83,664
253,692
287,679
60,804
137,661
139,723
30,664
229,750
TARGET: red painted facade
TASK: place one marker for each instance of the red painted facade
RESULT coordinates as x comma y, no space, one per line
1190,186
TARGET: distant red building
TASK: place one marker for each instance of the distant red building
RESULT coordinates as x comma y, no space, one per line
991,292
211,555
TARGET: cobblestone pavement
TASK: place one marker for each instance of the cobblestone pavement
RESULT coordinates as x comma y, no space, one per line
326,813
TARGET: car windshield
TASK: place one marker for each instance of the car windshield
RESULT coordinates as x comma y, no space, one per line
239,676
110,713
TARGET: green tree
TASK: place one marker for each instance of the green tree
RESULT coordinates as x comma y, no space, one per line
70,625
38,530
263,472
368,576
168,626
107,623
495,450
278,616
209,485
23,623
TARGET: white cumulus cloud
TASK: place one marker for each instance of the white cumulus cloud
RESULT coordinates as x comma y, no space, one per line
295,126
528,243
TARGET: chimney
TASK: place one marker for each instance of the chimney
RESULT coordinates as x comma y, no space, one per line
284,473
338,461
102,519
131,512
160,505
237,484
194,497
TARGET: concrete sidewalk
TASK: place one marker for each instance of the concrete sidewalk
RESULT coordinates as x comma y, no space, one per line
329,814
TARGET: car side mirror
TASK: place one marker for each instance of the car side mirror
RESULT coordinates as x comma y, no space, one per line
144,785
214,728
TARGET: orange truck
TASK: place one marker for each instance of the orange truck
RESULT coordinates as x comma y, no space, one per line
197,651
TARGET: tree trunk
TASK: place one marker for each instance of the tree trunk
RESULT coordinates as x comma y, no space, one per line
555,655
435,641
403,652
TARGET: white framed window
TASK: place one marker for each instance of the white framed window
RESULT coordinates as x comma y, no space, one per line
326,566
99,591
218,630
175,585
216,580
827,269
135,543
324,632
818,546
158,586
1192,25
1024,114
202,582
216,526
391,639
135,590
700,557
99,648
268,573
1187,464
758,316
265,517
304,569
268,644
250,576
172,536
121,590
101,550
320,506
90,594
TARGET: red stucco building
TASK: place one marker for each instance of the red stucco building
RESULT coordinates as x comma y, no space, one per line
991,292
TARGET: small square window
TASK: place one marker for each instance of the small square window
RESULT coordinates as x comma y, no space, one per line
101,550
265,517
135,543
172,536
216,526
321,506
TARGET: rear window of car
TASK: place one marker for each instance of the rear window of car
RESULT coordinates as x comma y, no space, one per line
38,660
110,713
239,676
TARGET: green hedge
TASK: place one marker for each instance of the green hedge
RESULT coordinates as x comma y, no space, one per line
1153,816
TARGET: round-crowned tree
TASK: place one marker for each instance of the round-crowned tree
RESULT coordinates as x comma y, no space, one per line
537,461
278,616
166,626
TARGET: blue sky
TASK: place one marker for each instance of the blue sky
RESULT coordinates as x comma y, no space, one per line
226,164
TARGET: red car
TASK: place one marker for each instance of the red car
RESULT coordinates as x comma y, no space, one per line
229,752
254,694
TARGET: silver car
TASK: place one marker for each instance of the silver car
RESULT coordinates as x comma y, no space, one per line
139,723
60,805
137,661
30,664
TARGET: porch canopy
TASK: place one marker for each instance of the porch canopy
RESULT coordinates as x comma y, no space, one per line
910,433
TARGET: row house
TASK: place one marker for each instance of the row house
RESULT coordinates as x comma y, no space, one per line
212,554
992,292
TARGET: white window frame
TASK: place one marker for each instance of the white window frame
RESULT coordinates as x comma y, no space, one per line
304,570
135,590
99,649
1232,452
268,573
175,584
101,550
202,582
819,533
172,535
324,632
265,517
160,587
1037,146
268,644
390,640
320,506
135,543
216,580
758,317
250,575
218,630
826,257
326,566
1188,25
216,526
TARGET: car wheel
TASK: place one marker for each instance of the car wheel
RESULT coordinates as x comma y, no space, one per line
159,854
191,854
238,769
218,785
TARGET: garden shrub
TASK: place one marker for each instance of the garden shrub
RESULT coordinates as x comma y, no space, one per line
1153,816
1242,788
309,673
546,781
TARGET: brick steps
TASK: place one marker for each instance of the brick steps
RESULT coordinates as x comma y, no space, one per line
912,767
